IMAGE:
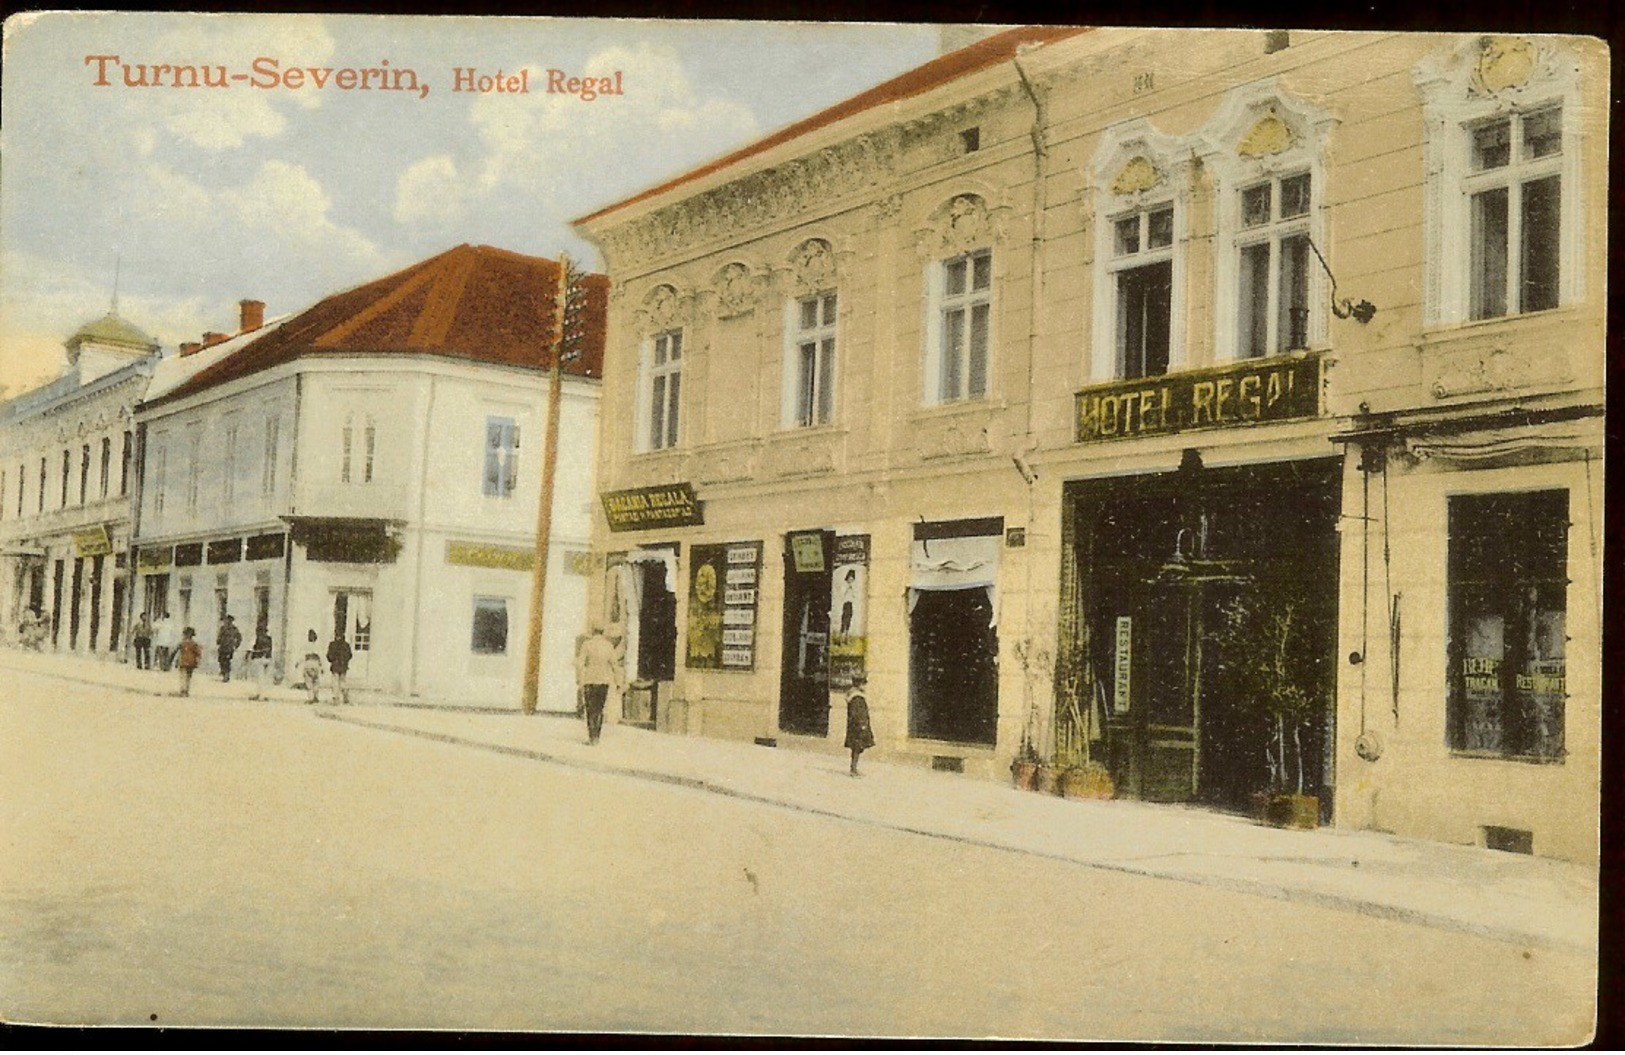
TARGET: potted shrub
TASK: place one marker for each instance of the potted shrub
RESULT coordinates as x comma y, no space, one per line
1089,780
1267,643
1024,767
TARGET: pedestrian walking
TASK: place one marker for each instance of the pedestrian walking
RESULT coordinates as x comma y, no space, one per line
860,736
311,668
338,661
141,639
164,641
189,655
259,657
598,667
32,629
227,640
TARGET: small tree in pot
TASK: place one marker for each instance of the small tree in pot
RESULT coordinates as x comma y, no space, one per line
1268,651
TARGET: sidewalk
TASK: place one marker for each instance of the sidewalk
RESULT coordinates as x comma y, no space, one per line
1507,897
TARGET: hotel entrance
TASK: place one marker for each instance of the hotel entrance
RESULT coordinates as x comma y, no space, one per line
1190,591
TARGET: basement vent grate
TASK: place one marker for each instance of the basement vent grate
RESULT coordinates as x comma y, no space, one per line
767,741
1511,840
948,763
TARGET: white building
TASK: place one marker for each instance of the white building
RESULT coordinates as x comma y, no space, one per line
65,452
372,467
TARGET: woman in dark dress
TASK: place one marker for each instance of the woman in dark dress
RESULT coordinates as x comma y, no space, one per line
859,735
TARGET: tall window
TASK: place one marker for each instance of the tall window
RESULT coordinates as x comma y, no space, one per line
358,446
1508,569
1514,192
194,440
813,360
501,457
268,469
84,474
107,463
124,465
22,482
3,494
228,481
67,470
1273,269
490,635
1143,266
41,485
665,389
160,477
964,315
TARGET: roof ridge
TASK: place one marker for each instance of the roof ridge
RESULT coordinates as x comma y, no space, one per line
426,273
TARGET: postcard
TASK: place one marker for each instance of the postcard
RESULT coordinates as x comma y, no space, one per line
801,530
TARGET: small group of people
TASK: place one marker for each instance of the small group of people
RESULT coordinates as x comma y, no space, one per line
154,642
338,658
31,629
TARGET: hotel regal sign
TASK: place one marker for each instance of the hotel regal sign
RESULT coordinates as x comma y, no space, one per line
1279,388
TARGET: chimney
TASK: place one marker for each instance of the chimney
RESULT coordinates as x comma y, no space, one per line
188,347
252,315
212,338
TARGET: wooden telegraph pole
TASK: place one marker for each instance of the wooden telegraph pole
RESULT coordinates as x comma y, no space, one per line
562,303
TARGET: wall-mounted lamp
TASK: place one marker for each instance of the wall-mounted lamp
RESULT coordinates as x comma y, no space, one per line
1344,308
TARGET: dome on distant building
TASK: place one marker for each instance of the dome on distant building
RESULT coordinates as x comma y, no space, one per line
111,330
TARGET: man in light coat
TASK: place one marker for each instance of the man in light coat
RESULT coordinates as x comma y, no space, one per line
598,669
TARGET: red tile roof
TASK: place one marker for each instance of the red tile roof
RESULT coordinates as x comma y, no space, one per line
991,51
475,303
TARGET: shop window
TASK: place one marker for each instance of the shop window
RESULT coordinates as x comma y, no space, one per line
962,288
810,361
1508,571
501,457
490,626
663,370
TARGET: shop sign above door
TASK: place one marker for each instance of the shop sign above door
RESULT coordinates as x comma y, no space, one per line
661,506
1250,392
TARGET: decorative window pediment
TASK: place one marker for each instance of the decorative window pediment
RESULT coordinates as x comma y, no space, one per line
965,222
737,289
665,308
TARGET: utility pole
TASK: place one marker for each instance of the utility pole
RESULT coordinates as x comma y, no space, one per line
565,341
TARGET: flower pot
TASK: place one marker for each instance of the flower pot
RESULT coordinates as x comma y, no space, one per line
1091,783
1047,781
1023,774
1293,811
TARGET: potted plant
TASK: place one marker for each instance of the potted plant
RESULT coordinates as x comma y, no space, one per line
1267,641
1087,780
1024,767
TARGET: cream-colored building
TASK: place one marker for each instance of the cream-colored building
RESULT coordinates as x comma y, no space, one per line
1029,381
65,464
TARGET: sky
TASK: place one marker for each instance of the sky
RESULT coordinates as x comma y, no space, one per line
193,198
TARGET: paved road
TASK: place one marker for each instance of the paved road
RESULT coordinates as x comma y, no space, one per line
237,863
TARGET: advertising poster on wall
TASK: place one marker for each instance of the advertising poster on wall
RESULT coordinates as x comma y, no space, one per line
848,617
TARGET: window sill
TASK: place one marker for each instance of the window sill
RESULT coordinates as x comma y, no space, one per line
1496,756
1444,332
933,411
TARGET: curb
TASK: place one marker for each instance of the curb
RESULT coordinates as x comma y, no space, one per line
1258,888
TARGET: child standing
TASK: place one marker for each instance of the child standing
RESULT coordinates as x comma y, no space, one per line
859,736
311,668
191,654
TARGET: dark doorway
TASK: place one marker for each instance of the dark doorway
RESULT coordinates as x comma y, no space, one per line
809,562
75,601
60,569
96,566
1165,561
115,634
953,666
657,625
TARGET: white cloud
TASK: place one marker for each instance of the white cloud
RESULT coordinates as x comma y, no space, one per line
285,205
544,143
431,191
171,197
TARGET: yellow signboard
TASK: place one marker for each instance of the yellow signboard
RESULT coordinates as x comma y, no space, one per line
93,541
484,555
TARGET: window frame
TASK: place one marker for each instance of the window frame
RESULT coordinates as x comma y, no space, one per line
1454,104
506,481
1511,590
1515,176
489,602
657,364
944,305
824,336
